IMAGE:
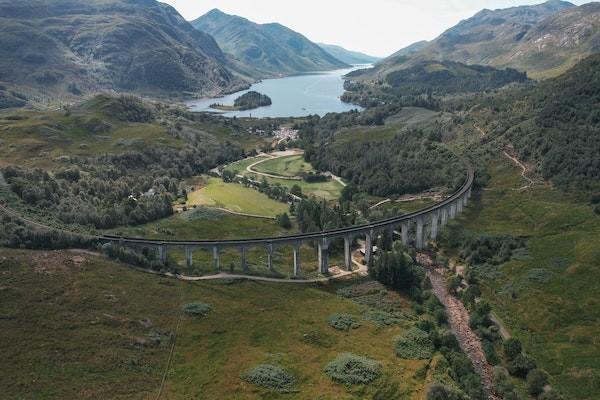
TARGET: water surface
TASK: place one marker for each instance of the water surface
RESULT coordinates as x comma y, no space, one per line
294,96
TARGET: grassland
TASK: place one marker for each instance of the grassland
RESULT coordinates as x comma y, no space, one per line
329,190
38,138
236,198
290,166
550,300
79,326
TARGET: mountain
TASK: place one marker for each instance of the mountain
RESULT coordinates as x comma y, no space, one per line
411,49
270,49
63,48
348,56
554,124
544,39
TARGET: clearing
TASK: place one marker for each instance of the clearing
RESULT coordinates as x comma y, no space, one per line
236,198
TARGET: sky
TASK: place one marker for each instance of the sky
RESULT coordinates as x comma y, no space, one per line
375,27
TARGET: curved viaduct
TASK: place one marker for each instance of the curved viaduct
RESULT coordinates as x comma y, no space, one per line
415,228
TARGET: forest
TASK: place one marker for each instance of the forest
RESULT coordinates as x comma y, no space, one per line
410,162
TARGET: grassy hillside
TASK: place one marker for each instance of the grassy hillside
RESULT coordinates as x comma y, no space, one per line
554,125
271,49
59,49
548,299
78,326
236,198
543,40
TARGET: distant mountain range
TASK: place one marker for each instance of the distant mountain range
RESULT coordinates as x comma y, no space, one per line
543,40
64,48
268,49
348,56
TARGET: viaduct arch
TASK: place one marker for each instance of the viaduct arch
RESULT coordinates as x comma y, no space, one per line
415,228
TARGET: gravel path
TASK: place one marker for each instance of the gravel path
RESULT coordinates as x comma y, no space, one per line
458,316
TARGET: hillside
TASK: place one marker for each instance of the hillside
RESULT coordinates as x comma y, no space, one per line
543,40
271,49
422,83
348,56
412,48
559,133
53,49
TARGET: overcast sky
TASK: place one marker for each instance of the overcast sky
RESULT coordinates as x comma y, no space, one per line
376,27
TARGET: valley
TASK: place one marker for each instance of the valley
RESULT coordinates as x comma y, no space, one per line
204,203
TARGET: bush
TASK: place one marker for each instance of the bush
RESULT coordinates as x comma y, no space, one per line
521,365
196,309
550,395
269,376
382,318
503,386
343,322
350,369
512,348
536,381
415,344
437,391
284,221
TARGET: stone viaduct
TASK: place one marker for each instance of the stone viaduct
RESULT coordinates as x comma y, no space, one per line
414,229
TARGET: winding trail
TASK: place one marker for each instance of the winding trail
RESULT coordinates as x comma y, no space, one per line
530,182
458,316
282,154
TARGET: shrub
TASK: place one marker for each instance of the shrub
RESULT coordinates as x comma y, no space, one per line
550,395
415,344
437,391
343,322
536,380
490,353
350,369
512,348
197,309
382,318
269,376
503,386
521,365
441,317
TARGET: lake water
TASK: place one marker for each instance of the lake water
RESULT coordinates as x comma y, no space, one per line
294,96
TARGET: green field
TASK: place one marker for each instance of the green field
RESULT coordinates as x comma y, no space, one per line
93,329
551,299
329,190
236,198
291,166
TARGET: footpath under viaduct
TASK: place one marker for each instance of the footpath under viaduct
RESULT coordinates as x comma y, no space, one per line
414,228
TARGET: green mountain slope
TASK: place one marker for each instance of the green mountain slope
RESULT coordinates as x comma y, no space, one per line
270,49
544,40
555,125
348,56
62,48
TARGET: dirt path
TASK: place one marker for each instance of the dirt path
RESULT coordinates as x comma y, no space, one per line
524,170
458,316
408,198
280,154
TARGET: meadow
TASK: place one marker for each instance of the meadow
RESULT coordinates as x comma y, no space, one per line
291,166
548,298
236,198
329,190
79,326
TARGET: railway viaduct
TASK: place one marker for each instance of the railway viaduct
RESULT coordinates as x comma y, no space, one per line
414,229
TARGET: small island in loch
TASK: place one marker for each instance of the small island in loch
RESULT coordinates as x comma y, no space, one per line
247,101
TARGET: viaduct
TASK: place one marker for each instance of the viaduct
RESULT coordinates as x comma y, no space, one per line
414,228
